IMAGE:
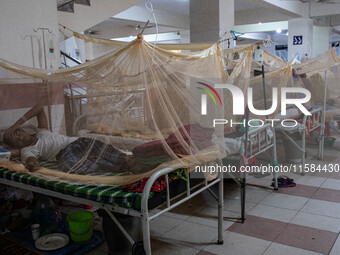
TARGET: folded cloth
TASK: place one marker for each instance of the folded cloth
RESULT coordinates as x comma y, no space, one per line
158,186
200,136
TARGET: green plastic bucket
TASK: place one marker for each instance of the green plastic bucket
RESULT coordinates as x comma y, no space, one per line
81,226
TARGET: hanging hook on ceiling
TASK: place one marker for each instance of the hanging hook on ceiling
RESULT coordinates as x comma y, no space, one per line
146,24
43,28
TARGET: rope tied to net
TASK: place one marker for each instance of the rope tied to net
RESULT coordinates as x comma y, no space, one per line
149,7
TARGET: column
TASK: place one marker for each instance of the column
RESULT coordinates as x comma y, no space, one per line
321,40
208,18
300,38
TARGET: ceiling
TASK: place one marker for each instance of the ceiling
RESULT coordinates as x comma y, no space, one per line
174,6
168,12
241,5
182,6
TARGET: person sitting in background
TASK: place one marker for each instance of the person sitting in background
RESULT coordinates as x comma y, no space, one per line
73,154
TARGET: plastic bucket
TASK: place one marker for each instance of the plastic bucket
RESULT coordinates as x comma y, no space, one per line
81,226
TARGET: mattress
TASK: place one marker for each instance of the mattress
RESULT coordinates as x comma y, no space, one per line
113,195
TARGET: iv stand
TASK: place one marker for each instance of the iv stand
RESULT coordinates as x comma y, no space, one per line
43,29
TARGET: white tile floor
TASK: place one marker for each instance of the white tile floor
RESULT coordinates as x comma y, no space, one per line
317,221
285,201
331,184
280,249
324,208
237,244
274,213
197,235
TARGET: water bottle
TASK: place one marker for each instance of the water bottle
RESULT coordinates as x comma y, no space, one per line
45,215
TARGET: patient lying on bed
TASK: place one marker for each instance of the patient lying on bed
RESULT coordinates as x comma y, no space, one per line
73,154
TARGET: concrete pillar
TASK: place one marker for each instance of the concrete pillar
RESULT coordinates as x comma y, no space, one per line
300,38
321,40
209,18
185,36
19,43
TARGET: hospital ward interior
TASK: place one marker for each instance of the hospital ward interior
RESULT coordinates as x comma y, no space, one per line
186,127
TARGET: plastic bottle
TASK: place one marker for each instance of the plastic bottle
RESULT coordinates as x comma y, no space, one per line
45,215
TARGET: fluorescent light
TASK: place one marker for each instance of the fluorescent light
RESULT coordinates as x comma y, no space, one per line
278,30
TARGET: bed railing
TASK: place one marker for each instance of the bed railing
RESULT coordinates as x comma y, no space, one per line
261,137
312,122
147,217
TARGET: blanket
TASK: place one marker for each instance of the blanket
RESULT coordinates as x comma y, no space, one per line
200,136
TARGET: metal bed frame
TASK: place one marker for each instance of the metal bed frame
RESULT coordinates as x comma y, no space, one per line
145,214
314,121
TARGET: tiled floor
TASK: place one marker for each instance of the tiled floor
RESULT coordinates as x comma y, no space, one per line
301,220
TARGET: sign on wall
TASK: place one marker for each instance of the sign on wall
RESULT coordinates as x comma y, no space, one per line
297,40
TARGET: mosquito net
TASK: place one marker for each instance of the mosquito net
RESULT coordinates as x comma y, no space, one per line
321,77
312,75
273,62
142,102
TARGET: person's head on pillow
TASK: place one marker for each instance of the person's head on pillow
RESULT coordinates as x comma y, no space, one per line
18,138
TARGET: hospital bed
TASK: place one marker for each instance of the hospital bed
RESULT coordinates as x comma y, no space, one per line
114,199
305,127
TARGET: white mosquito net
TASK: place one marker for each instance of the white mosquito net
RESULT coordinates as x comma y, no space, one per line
142,102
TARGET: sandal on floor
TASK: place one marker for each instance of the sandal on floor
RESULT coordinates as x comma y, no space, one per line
284,184
284,179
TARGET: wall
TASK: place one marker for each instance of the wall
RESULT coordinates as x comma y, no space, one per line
204,21
321,40
19,43
19,98
94,50
72,46
298,27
